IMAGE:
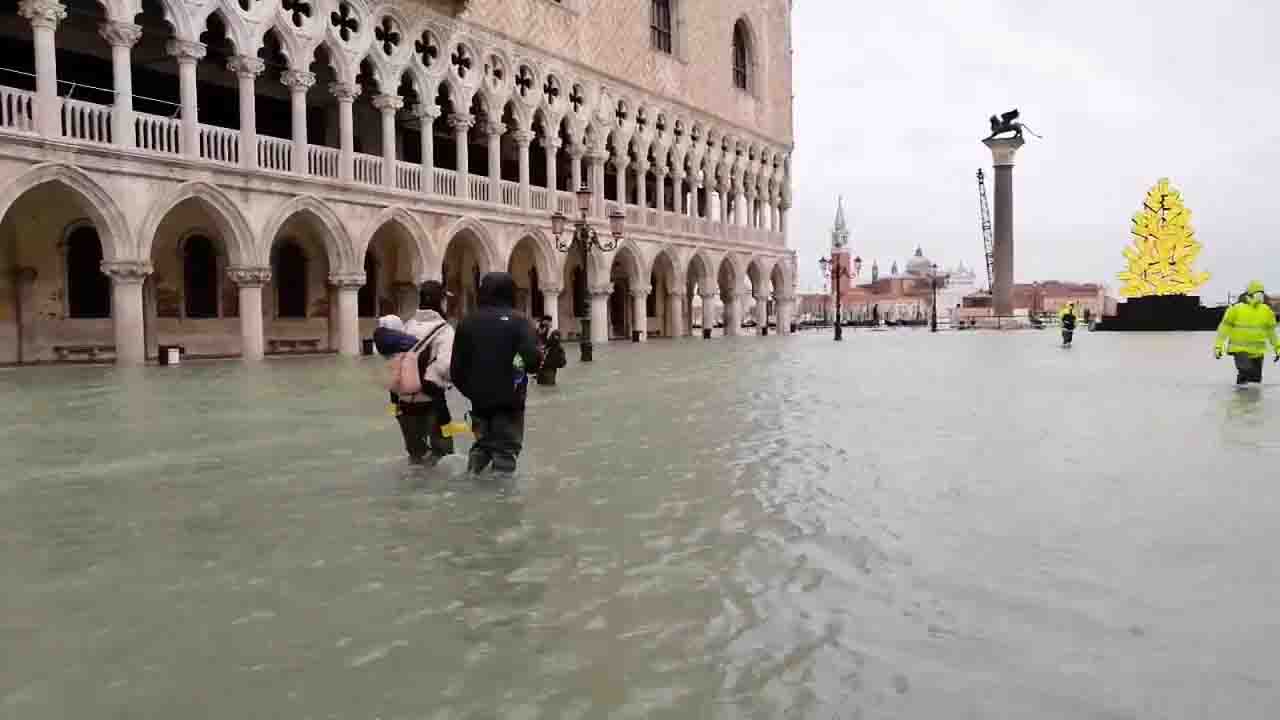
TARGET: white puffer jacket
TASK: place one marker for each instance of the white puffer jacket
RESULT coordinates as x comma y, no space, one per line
439,350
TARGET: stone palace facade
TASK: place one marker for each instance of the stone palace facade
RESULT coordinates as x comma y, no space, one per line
246,177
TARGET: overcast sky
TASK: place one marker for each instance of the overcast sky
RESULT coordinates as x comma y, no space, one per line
892,100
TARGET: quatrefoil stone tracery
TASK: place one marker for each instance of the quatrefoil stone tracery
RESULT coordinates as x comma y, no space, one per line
427,49
299,11
387,35
344,22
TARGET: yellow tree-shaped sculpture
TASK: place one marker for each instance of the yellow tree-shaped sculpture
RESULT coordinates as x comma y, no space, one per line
1164,250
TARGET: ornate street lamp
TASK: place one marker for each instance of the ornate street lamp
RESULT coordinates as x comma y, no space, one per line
832,269
584,237
933,282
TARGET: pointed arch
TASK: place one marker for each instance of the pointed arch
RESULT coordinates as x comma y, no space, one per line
425,259
337,240
110,221
232,224
547,260
678,269
637,268
490,258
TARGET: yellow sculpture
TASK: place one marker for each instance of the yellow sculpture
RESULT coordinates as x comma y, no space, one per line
1164,248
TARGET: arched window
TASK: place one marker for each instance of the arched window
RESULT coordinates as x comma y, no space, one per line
200,277
290,278
660,25
367,297
741,56
88,289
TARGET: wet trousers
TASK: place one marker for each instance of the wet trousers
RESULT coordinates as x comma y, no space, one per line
420,423
1067,335
499,439
1248,369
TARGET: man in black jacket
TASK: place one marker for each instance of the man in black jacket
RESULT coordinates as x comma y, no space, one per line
493,353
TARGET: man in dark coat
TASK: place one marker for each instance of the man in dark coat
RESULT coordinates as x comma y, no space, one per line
493,353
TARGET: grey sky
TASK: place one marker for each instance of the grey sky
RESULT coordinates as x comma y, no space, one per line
892,101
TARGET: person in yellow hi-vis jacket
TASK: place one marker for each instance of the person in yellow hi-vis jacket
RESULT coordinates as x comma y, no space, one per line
1246,330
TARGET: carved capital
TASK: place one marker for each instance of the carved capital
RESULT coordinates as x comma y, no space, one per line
126,272
43,13
345,91
245,276
461,122
426,112
676,295
300,79
388,102
550,143
347,281
709,295
640,292
245,66
186,51
577,150
524,138
603,291
120,34
552,291
494,129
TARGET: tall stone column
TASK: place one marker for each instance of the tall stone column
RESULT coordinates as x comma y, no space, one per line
44,16
246,69
551,146
1002,156
732,314
298,82
388,105
126,309
346,288
786,311
762,313
188,53
249,282
709,297
122,36
551,306
660,188
524,138
640,312
461,124
677,184
642,175
25,314
346,94
427,114
576,153
600,314
493,132
597,181
676,306
620,163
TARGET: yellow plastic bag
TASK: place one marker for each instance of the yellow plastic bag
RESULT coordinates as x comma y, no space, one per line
457,427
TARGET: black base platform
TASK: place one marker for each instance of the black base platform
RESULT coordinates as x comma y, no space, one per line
1163,313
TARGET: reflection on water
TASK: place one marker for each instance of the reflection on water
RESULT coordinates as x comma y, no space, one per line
899,526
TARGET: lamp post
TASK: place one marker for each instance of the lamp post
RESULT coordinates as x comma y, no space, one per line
933,283
833,269
584,237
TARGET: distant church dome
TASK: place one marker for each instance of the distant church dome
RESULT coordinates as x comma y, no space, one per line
919,264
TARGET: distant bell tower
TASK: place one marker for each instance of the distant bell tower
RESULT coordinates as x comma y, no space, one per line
840,255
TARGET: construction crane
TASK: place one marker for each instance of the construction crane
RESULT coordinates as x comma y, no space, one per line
987,240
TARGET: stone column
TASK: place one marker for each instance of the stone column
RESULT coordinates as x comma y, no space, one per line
677,184
524,138
786,310
660,187
126,309
427,115
347,287
600,314
551,306
1003,151
597,159
246,69
493,132
122,36
640,311
461,124
298,82
188,53
762,312
249,281
346,94
576,153
733,315
388,105
620,163
24,311
675,306
44,16
642,175
709,297
551,146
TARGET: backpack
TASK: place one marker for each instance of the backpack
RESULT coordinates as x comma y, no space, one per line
405,379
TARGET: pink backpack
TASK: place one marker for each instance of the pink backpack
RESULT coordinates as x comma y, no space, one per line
405,379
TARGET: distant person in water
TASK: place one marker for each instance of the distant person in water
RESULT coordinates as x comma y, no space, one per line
494,351
423,415
552,359
1246,330
1068,318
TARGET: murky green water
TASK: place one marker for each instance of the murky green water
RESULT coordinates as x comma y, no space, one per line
906,526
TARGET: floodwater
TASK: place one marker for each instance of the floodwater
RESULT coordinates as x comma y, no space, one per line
963,525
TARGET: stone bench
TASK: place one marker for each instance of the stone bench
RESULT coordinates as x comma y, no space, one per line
280,346
89,353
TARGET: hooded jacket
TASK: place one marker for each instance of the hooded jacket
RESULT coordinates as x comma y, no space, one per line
1247,327
487,345
437,355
